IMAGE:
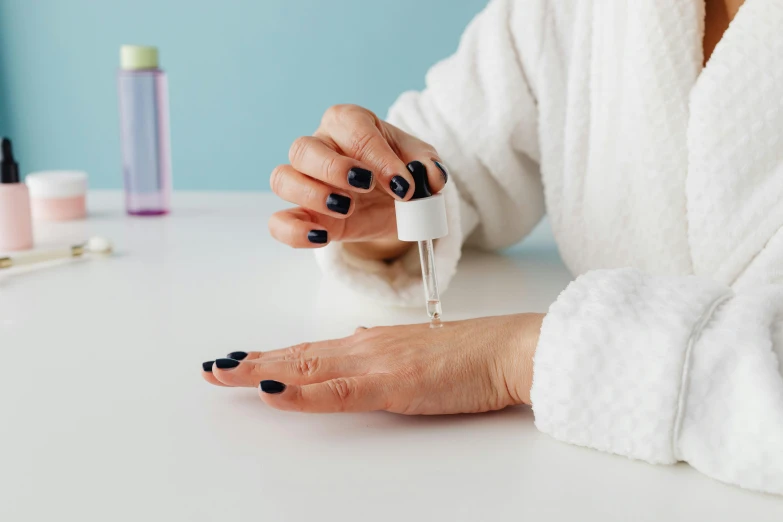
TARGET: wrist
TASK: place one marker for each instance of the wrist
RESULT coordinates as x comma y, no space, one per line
379,249
522,348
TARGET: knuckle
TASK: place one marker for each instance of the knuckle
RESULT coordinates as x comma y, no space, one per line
343,389
360,143
333,168
293,353
340,113
385,167
333,114
363,333
429,151
257,371
309,195
299,148
276,179
306,366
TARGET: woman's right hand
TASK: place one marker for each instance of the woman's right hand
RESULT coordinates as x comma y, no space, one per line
345,179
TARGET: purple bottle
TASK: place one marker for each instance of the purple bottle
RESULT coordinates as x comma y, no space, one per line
144,123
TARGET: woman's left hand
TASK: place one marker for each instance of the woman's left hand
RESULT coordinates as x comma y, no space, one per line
464,367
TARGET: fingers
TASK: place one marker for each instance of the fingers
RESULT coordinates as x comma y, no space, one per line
430,173
343,394
441,177
206,373
306,368
418,154
351,152
233,369
302,190
437,174
302,229
311,156
355,131
290,364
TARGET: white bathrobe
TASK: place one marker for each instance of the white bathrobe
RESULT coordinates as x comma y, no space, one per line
663,182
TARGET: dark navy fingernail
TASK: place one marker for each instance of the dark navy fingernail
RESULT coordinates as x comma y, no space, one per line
317,236
421,187
360,178
226,364
272,387
444,172
399,186
207,366
338,203
237,356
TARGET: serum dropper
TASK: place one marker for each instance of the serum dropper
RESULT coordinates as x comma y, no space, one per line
423,219
16,229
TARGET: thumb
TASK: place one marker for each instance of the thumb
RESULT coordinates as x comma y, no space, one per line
421,158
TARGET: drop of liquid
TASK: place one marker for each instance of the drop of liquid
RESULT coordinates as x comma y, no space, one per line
434,311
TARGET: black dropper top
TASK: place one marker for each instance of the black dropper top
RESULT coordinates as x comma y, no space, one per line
9,169
421,185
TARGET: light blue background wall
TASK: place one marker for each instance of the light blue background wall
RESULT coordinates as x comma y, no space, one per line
246,76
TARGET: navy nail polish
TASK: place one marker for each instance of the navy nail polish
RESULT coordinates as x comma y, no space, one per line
399,186
360,178
338,203
443,171
421,187
317,236
207,366
237,356
226,364
272,387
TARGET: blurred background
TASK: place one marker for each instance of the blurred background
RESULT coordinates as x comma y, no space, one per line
246,77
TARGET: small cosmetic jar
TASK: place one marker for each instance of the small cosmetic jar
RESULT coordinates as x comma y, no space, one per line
57,195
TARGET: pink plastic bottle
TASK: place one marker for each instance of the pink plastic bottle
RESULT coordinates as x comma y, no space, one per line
16,228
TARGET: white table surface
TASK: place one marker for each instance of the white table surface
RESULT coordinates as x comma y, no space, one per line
104,416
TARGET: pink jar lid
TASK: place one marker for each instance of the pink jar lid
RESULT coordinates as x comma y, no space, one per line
55,184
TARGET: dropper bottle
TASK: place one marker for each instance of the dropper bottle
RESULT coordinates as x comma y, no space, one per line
423,219
16,230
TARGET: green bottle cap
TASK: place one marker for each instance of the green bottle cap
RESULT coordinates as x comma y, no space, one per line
133,57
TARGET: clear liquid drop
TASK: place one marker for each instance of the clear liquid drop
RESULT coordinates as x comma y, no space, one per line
434,311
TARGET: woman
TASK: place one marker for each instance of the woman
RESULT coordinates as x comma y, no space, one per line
663,181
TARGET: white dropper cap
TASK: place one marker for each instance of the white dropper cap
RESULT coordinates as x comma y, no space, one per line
424,216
